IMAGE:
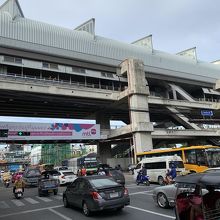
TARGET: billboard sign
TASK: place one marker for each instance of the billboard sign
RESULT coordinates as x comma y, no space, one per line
49,131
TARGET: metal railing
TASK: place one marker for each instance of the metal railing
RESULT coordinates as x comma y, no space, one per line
54,81
74,84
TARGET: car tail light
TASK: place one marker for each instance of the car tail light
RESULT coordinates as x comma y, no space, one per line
63,177
125,191
95,195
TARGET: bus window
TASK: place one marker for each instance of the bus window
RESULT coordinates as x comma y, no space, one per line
213,157
190,156
201,158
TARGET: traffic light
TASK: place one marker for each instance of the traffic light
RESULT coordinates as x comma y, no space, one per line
3,132
23,133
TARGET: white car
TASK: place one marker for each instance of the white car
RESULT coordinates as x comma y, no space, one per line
66,176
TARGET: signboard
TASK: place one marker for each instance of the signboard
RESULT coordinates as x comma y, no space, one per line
49,131
206,112
14,167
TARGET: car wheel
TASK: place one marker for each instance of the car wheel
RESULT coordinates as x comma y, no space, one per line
39,193
161,180
120,209
65,202
147,183
162,200
86,210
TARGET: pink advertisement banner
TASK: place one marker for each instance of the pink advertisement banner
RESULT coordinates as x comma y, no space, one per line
49,131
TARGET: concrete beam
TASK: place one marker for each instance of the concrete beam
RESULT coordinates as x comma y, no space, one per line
217,85
183,103
164,133
64,90
83,92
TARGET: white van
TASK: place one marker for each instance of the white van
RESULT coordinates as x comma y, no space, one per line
157,167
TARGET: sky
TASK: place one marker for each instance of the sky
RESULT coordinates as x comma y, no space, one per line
176,25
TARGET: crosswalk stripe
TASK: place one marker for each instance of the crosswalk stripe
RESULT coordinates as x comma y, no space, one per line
3,205
30,200
44,199
17,202
58,197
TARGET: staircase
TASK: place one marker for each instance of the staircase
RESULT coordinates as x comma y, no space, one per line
182,92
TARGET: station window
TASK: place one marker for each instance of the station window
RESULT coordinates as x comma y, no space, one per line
50,65
45,65
12,59
103,74
109,75
78,70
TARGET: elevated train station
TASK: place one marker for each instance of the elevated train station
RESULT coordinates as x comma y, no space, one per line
55,72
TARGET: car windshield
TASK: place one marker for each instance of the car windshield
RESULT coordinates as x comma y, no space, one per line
68,173
178,164
89,164
213,157
33,173
102,182
63,168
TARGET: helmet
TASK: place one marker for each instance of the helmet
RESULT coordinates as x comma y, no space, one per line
18,177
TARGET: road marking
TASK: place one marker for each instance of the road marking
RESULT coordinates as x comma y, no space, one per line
44,199
30,211
30,200
58,197
17,202
3,205
59,214
60,194
150,194
148,211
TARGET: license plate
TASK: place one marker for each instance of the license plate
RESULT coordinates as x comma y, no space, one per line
113,195
50,190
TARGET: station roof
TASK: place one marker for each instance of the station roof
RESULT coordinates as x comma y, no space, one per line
83,44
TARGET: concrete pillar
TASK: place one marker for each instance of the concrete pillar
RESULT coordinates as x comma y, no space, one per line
3,69
138,92
103,149
174,94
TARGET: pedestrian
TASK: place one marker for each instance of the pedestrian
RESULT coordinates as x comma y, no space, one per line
83,171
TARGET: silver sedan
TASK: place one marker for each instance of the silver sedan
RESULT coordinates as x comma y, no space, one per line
164,196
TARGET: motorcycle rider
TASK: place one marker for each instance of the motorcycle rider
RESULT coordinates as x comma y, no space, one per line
19,184
141,173
171,174
6,176
83,171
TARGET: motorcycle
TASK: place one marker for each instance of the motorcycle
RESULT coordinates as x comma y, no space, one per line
18,193
168,179
141,179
